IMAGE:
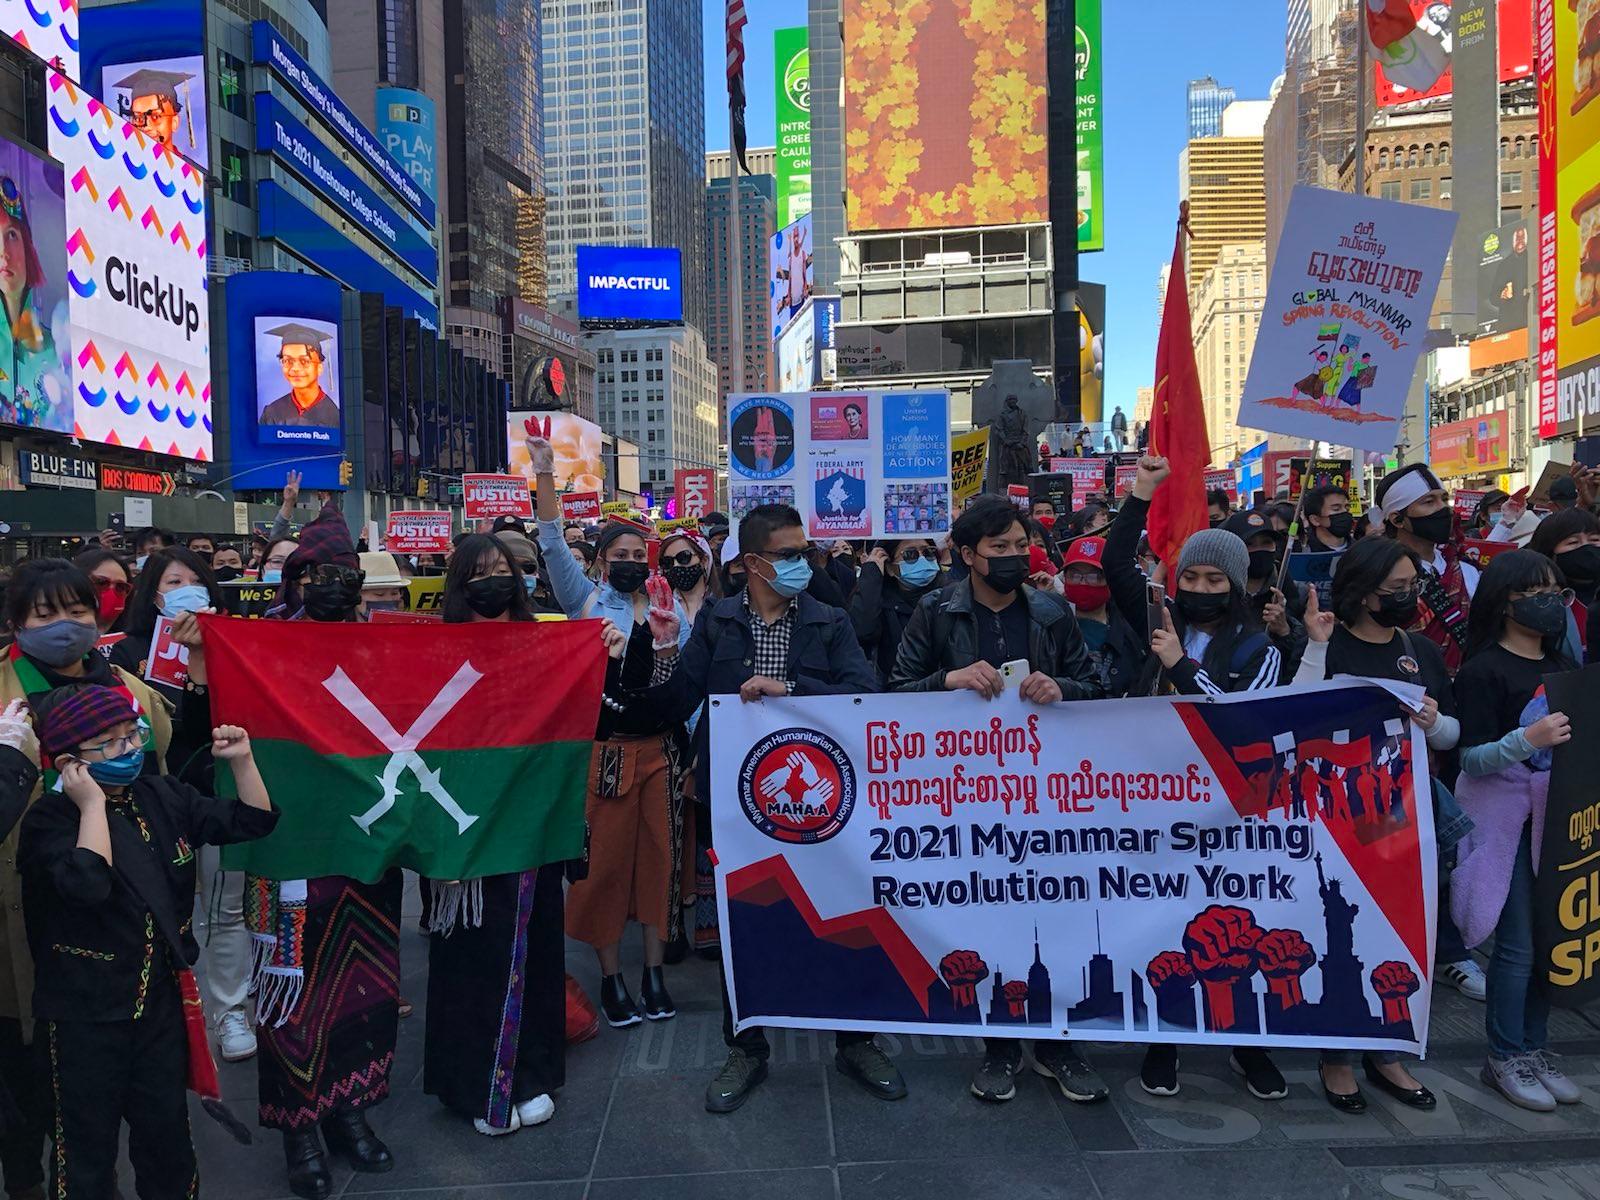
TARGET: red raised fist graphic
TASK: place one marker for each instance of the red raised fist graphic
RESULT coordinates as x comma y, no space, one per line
1283,956
1169,969
535,428
1016,994
1221,944
1394,982
963,971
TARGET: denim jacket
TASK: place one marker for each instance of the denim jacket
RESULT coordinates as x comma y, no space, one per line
581,597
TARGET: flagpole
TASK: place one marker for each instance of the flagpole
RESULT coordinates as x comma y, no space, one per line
735,263
1361,100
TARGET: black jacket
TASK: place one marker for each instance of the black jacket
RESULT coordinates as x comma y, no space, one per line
880,610
824,660
99,931
942,636
1127,655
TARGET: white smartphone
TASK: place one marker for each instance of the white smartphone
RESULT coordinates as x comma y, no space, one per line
1015,671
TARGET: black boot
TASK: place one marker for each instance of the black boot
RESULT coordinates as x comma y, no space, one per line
653,996
618,1006
308,1169
350,1135
677,949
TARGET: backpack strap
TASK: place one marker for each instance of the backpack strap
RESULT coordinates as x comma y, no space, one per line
1243,651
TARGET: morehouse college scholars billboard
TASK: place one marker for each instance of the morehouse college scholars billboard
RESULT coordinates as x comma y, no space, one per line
630,283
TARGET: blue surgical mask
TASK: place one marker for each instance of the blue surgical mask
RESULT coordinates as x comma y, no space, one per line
272,575
789,579
919,573
191,597
138,563
119,771
531,582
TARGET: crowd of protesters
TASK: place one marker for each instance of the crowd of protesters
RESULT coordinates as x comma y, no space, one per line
109,805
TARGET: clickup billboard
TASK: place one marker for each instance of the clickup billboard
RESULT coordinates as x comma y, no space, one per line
630,283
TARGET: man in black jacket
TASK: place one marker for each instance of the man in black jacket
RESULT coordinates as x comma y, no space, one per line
772,639
960,638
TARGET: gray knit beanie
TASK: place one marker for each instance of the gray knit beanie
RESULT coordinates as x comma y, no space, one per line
1216,548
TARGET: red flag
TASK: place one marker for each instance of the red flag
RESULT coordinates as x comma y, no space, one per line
1178,422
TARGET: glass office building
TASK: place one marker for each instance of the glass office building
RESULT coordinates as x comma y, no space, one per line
1207,99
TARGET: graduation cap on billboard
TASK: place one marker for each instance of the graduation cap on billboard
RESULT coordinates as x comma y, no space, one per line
163,85
295,334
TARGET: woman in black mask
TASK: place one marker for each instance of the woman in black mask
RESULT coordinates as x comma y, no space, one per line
1571,539
895,576
496,945
685,561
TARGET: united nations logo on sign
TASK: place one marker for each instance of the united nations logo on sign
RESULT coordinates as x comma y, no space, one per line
797,786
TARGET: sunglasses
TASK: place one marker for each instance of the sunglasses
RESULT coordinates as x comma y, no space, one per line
333,573
683,558
111,585
911,554
793,554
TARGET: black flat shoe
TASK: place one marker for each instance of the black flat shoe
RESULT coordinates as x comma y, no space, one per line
308,1169
617,1005
1346,1102
676,950
350,1136
1418,1097
653,997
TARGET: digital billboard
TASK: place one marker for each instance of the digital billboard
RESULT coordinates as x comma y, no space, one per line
1091,127
791,277
405,124
1503,279
49,30
1441,18
147,61
579,447
36,335
297,380
797,352
792,73
136,273
945,121
1569,210
630,283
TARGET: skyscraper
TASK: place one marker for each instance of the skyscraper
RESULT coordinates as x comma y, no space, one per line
1223,182
827,142
757,211
624,115
1207,99
1227,314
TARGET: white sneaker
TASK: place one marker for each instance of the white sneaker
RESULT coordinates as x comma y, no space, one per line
235,1039
1466,977
489,1130
1554,1079
536,1111
1515,1079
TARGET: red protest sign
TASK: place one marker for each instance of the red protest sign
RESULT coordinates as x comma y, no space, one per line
1019,495
696,491
1466,500
1127,473
1222,478
1481,553
496,496
418,532
580,506
168,662
393,616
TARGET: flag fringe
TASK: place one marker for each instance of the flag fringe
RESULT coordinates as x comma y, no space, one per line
458,904
277,994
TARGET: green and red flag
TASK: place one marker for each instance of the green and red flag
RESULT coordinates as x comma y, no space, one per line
456,750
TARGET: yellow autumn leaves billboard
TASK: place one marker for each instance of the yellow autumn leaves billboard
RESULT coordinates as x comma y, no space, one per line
945,113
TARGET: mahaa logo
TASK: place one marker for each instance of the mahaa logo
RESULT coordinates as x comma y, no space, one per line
797,80
797,786
1080,51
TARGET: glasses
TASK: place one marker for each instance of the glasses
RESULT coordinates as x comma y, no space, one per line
298,361
1567,594
683,558
116,586
792,554
1404,594
112,747
1076,576
139,118
333,573
911,554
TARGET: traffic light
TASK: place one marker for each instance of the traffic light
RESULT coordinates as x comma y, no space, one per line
422,486
347,472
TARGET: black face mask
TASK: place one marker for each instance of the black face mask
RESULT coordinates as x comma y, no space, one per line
1007,572
1396,612
732,583
224,574
1216,522
626,577
1340,525
1544,613
683,579
1581,567
330,601
491,597
1262,563
1201,608
1435,527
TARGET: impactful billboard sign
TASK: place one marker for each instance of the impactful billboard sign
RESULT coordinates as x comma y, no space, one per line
1445,21
792,72
36,342
856,464
136,271
791,276
147,61
944,114
270,48
630,283
1091,127
405,121
1569,218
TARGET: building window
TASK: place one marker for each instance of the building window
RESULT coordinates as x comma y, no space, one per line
1510,183
1389,191
234,172
1422,189
230,87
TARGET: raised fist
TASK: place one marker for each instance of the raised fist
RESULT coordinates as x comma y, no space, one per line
963,971
1284,956
1221,944
1016,994
1169,969
541,454
1394,982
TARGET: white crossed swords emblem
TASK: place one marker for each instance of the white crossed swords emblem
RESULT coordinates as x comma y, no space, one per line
402,748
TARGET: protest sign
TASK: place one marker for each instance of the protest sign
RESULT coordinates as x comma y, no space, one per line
1127,473
1315,569
616,508
168,662
1018,494
968,456
418,532
1088,475
1223,480
581,506
1480,552
855,464
1465,501
1057,489
1566,902
1347,307
426,593
489,496
1252,869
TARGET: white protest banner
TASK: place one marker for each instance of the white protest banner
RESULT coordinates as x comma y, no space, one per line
1254,869
425,531
855,464
1346,312
484,496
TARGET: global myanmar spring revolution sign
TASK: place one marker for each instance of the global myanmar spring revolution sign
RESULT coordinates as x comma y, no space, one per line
1246,870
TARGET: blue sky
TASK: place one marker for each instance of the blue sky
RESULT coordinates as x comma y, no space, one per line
1152,50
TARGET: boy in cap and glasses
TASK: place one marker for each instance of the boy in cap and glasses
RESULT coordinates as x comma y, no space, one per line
300,357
